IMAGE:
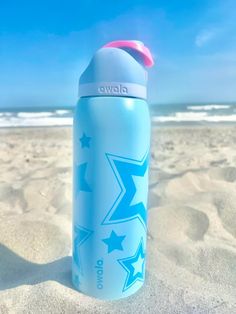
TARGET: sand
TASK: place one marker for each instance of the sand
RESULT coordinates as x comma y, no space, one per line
191,265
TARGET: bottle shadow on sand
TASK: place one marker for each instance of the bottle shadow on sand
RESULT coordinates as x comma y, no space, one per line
16,271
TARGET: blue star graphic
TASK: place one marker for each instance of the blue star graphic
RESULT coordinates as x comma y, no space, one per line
81,234
134,266
85,141
76,280
114,242
128,205
82,183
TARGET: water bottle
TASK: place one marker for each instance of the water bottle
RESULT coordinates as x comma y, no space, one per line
111,137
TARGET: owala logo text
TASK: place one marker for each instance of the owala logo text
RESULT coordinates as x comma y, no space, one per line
99,272
113,89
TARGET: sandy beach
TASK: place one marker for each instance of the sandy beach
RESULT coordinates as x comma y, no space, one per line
191,263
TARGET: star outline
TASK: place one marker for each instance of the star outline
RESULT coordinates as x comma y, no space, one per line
110,158
77,244
122,261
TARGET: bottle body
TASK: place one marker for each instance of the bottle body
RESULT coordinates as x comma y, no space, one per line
110,184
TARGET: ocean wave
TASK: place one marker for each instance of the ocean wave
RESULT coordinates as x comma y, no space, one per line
62,112
5,114
41,114
195,117
43,121
208,107
65,118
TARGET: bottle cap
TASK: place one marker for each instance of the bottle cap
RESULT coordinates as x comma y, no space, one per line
117,69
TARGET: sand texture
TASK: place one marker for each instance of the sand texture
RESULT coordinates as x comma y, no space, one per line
191,265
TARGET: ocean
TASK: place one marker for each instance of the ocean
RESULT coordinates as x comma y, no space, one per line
162,115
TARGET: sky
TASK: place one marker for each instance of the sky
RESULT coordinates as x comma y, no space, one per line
46,45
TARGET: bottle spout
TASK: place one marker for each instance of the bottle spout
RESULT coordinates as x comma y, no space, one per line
136,48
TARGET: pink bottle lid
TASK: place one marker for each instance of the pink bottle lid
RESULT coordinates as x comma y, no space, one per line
137,46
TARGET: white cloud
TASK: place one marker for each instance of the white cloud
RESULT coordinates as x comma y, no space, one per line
204,37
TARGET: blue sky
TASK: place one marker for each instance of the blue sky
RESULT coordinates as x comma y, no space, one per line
45,45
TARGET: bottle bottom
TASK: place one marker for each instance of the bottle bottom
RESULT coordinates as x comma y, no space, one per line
101,295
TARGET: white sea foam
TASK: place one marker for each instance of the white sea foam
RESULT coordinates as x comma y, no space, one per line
34,114
46,121
5,114
208,107
44,118
61,112
195,117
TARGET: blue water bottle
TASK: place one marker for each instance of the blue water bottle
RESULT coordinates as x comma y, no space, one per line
111,136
